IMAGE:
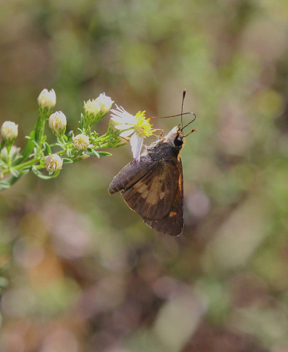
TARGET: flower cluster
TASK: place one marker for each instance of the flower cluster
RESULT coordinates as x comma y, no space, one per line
96,109
122,128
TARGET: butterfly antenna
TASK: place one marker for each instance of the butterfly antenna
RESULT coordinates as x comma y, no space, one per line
182,106
192,113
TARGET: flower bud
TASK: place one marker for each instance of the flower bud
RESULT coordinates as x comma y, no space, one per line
57,123
5,153
47,99
9,132
81,142
105,103
96,109
92,111
53,163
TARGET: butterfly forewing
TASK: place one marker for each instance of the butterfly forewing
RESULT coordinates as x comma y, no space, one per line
130,174
153,195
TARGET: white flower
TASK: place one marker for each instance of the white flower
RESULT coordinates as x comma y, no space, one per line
136,127
53,163
57,123
47,99
81,142
105,103
9,131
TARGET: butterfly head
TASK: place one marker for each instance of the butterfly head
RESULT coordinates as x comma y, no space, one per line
175,138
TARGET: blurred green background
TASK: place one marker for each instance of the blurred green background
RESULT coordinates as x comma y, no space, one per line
80,272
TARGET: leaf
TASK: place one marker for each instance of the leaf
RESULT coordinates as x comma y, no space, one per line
101,154
27,168
4,185
81,122
14,172
92,153
10,181
68,161
70,136
45,177
3,164
47,148
15,154
27,150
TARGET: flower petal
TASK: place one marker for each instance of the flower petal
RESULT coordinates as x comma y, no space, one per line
136,143
123,127
126,133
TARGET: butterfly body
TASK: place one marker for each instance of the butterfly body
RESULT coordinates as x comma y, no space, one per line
153,186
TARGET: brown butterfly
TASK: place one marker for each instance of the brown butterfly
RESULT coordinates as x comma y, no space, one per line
153,186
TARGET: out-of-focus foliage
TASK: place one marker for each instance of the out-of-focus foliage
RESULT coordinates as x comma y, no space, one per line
79,270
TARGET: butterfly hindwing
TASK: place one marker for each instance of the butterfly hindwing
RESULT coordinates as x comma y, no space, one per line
172,223
153,195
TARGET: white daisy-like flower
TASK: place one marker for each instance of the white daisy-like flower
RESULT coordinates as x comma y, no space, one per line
136,127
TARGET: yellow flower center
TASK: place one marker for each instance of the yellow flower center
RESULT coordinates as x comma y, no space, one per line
143,127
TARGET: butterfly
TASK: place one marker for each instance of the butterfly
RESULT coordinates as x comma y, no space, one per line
153,186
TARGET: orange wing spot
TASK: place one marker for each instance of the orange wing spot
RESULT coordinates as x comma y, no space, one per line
172,213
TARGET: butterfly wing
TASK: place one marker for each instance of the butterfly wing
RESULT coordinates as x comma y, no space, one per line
172,223
157,196
130,174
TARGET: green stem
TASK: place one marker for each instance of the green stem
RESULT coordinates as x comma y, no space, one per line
20,166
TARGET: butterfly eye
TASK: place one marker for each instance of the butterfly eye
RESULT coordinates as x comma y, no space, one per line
178,141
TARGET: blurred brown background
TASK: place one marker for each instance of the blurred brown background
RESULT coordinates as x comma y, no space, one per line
80,272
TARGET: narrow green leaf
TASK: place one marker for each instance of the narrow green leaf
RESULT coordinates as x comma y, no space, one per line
3,164
47,148
70,136
92,153
14,172
101,154
4,185
45,177
27,168
67,161
27,150
15,154
10,181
